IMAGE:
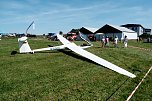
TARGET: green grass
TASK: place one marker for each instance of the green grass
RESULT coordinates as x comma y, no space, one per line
54,75
141,44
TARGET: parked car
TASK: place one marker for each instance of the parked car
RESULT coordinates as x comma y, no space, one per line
52,36
92,37
71,36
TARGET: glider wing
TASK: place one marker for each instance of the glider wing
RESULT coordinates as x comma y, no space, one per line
93,57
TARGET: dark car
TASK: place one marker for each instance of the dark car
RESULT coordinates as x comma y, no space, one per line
92,37
52,36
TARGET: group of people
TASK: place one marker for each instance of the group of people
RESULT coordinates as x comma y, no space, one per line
105,41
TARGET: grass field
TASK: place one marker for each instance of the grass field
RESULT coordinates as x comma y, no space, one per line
54,75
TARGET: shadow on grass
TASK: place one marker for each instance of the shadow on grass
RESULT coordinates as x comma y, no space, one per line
117,89
70,53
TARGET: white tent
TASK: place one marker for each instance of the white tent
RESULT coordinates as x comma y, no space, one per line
120,32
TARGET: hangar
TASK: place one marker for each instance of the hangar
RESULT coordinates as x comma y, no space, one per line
111,31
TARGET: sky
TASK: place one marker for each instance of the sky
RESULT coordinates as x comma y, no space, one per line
64,15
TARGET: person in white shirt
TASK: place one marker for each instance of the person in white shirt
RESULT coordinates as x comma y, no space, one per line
116,42
0,36
125,41
107,41
103,41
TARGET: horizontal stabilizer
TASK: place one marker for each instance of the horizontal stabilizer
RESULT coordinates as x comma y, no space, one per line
50,48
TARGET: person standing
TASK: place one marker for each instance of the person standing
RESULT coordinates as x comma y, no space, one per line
103,41
0,36
125,41
116,42
107,41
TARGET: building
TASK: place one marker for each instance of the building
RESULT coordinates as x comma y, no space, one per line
111,31
147,31
135,27
90,32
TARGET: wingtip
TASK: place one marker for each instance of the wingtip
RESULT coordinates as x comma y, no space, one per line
133,76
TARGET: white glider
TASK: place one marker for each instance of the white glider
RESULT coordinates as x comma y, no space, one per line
93,57
25,48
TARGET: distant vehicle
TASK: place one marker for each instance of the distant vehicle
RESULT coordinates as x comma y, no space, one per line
20,35
71,36
31,35
92,37
52,36
11,35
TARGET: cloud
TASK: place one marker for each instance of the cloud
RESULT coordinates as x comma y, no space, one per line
12,5
72,13
24,10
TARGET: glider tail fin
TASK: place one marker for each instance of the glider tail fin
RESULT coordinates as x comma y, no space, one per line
23,45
